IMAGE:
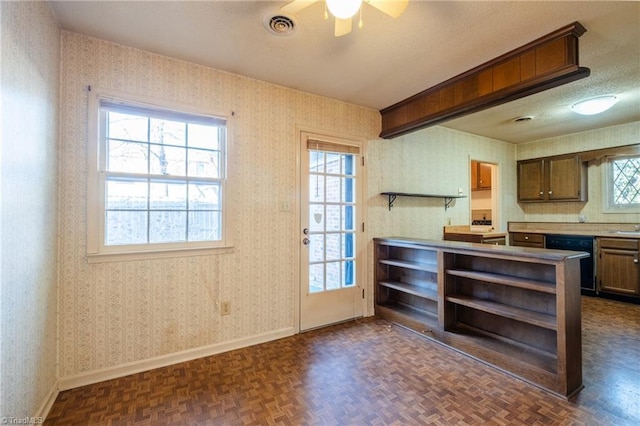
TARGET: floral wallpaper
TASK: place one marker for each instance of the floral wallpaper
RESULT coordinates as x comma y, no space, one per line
29,79
116,313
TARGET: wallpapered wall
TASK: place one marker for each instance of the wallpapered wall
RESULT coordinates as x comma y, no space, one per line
435,160
120,312
592,210
29,85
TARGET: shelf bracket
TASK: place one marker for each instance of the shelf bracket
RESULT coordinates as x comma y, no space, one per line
392,198
447,202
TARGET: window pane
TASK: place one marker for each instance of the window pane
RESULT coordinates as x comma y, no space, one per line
316,219
626,181
316,188
168,195
348,190
316,248
203,137
316,161
126,194
204,226
348,218
127,126
316,278
333,188
167,227
168,160
333,217
167,132
348,273
347,165
333,163
127,157
204,196
348,245
204,163
333,246
125,227
333,276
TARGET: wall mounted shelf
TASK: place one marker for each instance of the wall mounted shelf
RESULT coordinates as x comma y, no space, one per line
448,199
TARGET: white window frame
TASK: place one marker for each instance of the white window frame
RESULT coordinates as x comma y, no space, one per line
608,204
97,251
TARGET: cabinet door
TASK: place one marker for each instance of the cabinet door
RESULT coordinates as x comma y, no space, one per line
484,176
474,175
531,180
618,271
565,179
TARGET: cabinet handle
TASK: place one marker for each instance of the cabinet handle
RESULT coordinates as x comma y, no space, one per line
550,192
526,238
541,193
635,260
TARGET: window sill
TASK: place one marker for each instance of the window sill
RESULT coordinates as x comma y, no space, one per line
158,254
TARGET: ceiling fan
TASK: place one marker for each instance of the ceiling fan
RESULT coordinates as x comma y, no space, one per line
345,10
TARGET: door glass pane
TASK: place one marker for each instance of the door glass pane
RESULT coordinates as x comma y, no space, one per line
332,221
333,276
316,217
333,217
316,248
316,278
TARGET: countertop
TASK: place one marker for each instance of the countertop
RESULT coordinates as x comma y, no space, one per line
594,229
485,231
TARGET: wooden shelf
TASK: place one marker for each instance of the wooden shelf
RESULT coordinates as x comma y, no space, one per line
448,199
523,315
416,290
526,362
407,316
508,280
418,266
513,308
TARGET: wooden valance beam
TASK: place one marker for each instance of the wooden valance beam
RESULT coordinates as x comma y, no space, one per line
547,62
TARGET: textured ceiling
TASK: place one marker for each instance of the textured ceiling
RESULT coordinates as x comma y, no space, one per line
389,59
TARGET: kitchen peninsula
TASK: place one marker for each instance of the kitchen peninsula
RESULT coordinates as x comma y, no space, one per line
515,308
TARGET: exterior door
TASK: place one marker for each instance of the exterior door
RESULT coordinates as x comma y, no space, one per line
331,261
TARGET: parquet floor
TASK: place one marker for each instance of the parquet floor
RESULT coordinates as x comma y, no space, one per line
369,372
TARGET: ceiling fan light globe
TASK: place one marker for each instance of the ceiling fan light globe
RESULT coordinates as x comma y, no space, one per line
344,9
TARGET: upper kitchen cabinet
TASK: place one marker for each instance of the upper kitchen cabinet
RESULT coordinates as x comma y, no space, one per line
551,179
480,176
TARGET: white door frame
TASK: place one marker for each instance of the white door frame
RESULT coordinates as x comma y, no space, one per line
361,243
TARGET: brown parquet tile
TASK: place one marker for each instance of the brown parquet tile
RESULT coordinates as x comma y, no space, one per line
368,373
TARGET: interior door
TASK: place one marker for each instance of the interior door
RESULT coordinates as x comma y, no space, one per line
331,261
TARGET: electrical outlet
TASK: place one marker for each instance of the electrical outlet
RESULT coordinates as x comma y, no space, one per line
225,308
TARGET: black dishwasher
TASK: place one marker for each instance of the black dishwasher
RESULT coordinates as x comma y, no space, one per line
577,243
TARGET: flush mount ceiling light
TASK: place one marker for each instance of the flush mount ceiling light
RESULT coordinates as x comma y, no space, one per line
594,105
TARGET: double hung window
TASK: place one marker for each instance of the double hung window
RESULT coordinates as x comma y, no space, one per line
156,178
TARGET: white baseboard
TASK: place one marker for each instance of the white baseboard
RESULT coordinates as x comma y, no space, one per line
122,370
44,409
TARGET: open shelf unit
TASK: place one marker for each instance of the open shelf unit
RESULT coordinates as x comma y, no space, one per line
516,309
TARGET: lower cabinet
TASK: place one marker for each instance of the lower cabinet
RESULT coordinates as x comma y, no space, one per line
525,239
618,270
513,308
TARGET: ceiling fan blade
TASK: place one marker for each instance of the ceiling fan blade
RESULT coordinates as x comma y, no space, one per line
343,26
297,5
393,8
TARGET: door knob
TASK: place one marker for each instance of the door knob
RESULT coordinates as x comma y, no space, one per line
305,231
306,241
